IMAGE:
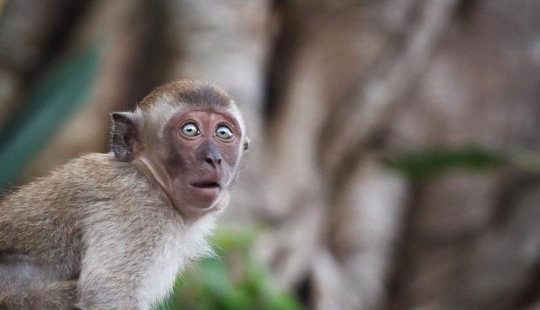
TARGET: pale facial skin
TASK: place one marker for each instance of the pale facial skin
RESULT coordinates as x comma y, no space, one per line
204,145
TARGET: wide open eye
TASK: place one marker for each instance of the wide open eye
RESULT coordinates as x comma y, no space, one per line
223,132
190,130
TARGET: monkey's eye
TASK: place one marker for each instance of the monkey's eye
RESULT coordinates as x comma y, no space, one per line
224,132
190,130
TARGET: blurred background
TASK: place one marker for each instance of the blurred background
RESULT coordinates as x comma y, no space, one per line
394,161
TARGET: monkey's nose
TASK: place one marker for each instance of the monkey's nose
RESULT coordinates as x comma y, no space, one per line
213,159
211,155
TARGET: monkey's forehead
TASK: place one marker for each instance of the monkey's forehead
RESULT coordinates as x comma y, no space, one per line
189,92
165,101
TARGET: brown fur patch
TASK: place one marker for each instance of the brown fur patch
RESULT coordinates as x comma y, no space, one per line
191,92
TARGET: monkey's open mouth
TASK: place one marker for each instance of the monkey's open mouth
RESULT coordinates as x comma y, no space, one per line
206,184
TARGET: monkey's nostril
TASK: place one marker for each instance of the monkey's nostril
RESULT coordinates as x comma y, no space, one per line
213,161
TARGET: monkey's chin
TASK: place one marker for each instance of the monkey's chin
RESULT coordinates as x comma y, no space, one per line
204,198
194,204
200,197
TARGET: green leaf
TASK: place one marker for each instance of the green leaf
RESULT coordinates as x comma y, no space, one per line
212,286
426,163
59,95
230,239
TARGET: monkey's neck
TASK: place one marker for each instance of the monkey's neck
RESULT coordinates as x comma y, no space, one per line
158,177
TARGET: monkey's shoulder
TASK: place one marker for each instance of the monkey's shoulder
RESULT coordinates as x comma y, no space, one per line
85,180
98,173
101,176
101,166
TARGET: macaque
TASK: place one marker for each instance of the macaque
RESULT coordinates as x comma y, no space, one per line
112,231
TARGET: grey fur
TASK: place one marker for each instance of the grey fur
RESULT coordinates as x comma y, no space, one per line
108,234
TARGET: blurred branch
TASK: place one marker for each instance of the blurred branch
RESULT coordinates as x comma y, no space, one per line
377,98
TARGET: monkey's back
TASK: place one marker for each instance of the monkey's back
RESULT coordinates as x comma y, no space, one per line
46,219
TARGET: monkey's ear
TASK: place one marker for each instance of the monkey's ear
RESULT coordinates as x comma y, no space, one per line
246,144
125,139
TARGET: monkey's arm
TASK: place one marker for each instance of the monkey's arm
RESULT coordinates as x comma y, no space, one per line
38,295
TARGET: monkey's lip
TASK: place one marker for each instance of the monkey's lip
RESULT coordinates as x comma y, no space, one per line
205,185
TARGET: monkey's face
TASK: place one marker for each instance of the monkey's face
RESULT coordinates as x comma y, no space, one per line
203,148
188,138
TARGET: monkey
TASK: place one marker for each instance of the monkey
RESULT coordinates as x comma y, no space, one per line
113,230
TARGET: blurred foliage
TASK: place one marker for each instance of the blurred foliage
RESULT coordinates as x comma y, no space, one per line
233,280
57,96
422,164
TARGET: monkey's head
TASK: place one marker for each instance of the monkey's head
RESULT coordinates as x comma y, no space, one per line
188,138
